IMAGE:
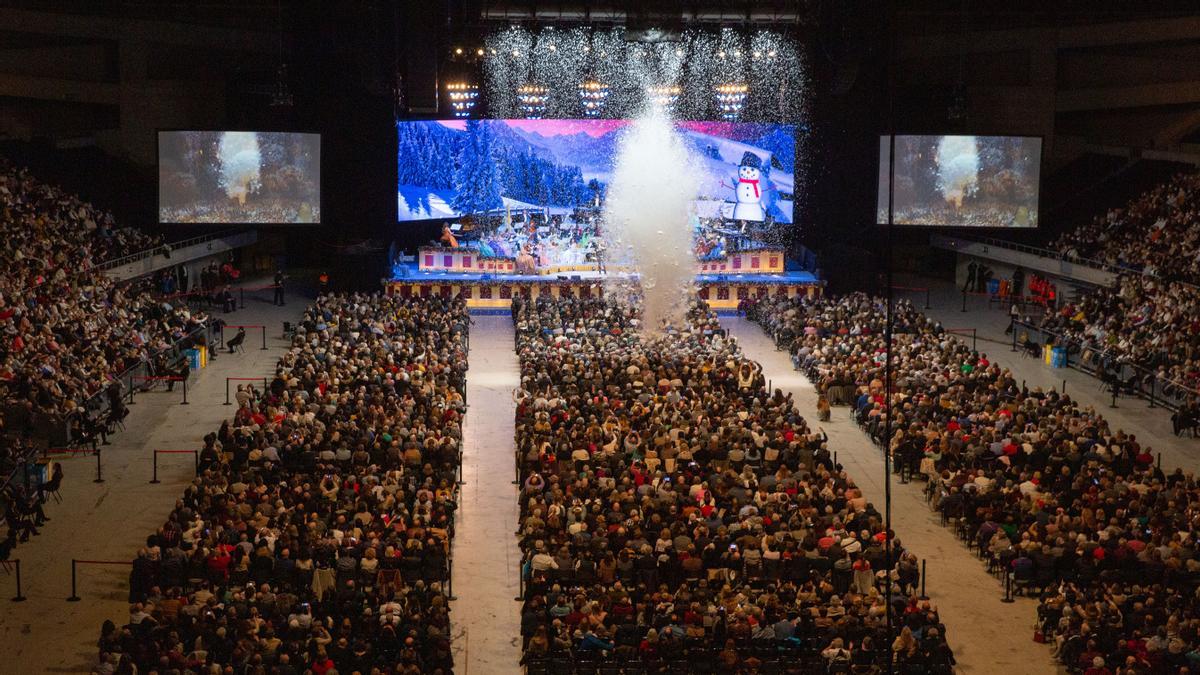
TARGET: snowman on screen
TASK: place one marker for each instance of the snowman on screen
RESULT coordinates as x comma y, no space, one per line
749,189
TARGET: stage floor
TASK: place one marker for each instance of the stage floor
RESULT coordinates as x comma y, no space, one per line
409,272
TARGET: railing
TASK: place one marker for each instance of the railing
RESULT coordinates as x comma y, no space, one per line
1048,253
1086,358
150,252
98,404
1074,260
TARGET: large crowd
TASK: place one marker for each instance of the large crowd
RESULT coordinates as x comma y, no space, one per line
316,535
69,329
676,513
1075,510
1151,317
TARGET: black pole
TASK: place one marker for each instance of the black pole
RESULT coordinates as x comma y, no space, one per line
131,389
964,293
887,391
1014,334
923,573
227,391
184,392
99,476
74,596
19,597
975,338
155,479
196,459
1153,379
264,332
1008,597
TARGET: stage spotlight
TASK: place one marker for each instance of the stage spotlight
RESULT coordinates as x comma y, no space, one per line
731,100
532,100
593,96
553,48
479,52
458,51
463,97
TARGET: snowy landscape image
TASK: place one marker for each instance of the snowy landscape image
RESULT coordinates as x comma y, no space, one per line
452,168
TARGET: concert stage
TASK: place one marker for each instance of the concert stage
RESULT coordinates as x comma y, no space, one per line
491,283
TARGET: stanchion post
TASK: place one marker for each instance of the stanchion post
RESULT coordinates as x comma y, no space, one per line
155,479
264,335
99,476
227,391
1014,342
131,389
196,459
184,392
1153,378
923,573
1008,596
19,597
74,595
964,301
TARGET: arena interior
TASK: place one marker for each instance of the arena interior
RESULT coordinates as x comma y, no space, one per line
606,337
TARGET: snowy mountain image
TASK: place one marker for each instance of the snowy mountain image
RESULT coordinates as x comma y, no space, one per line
450,168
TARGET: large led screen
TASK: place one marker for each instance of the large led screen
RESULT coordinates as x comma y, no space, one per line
454,168
961,181
251,177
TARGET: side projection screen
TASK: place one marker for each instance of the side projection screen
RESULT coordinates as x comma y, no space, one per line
961,181
239,177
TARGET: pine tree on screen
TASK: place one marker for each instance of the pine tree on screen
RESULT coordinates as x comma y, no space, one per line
477,185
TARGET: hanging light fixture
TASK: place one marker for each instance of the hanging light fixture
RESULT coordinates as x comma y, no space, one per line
463,97
731,100
531,99
593,97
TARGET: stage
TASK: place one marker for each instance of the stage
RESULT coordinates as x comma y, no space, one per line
723,284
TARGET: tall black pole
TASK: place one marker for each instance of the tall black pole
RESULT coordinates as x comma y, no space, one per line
887,345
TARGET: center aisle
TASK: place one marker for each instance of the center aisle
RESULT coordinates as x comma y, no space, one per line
967,597
486,560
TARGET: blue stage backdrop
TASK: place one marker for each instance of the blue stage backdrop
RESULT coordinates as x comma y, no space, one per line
453,168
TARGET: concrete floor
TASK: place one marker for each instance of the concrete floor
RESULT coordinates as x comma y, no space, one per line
111,520
486,572
987,635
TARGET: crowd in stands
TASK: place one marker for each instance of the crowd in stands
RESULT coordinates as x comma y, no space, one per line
316,535
1151,317
1044,487
678,517
68,330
